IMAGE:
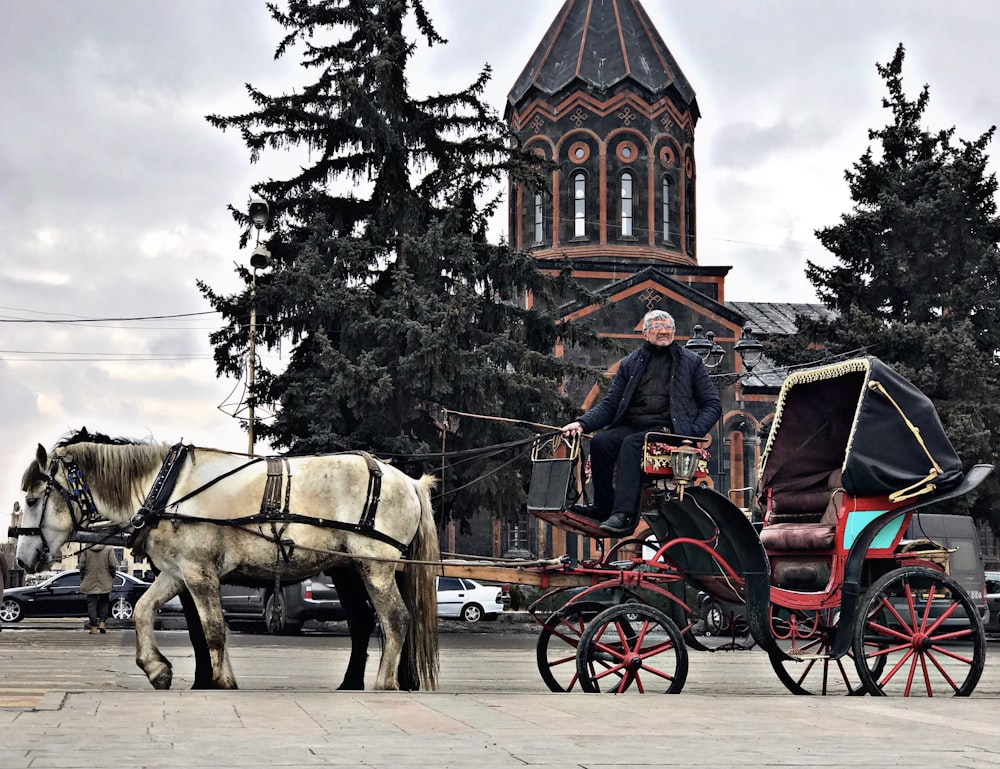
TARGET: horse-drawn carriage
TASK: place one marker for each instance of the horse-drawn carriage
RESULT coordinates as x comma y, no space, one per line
829,593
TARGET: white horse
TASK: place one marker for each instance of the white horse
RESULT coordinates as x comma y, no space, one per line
206,515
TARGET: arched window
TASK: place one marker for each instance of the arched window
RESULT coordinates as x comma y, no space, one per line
626,205
666,209
580,205
539,229
689,215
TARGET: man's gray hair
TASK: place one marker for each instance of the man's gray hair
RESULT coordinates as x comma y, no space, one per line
654,315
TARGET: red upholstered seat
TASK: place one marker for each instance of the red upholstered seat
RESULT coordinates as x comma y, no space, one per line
808,530
798,536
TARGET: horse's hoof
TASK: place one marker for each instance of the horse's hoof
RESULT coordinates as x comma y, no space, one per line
160,675
351,686
163,680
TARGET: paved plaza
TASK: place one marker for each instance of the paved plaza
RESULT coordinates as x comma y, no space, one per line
73,700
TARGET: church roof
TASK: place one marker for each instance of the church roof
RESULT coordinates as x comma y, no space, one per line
774,319
778,317
602,43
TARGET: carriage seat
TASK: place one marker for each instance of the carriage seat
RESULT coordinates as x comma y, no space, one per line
804,520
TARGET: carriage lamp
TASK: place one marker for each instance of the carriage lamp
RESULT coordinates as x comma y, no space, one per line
259,212
683,463
749,349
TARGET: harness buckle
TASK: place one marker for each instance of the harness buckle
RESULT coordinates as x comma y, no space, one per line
138,520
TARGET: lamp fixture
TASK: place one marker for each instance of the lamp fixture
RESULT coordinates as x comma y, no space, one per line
259,212
699,343
715,354
683,463
260,258
749,349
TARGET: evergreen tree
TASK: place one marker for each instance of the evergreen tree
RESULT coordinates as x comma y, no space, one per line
915,281
383,280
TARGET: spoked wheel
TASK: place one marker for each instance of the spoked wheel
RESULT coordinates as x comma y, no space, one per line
557,643
618,654
809,635
919,634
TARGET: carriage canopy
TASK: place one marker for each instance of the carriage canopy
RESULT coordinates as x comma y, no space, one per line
859,425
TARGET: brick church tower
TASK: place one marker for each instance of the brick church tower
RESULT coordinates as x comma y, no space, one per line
604,99
603,96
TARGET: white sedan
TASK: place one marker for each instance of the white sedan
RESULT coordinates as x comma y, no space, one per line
462,598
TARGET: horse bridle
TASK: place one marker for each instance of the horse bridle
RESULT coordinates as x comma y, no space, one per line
76,494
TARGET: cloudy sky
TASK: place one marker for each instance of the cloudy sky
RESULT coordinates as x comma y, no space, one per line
113,187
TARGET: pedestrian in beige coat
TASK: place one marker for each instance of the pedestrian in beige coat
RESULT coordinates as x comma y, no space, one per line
98,567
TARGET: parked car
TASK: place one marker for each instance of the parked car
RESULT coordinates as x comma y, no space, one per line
466,599
993,601
956,533
314,598
60,596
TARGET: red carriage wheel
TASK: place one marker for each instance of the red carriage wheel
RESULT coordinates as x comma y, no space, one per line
555,651
918,634
617,654
809,635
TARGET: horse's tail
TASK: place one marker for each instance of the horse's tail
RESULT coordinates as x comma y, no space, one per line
420,591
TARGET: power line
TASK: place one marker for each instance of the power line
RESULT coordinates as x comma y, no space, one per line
57,357
104,320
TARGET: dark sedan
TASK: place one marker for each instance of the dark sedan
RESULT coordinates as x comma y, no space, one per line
60,596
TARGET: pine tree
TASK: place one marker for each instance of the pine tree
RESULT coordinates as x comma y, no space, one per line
395,303
916,276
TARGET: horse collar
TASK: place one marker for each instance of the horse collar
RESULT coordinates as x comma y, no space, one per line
163,487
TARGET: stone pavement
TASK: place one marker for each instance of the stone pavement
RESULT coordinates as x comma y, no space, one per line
492,711
251,729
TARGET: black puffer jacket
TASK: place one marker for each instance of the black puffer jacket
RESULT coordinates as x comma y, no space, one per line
694,403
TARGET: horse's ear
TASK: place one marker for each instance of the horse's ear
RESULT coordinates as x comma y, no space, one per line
41,456
83,432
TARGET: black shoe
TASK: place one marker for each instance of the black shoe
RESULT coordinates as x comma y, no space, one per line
619,523
588,511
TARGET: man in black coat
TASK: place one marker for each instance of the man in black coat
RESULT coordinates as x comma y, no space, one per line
660,387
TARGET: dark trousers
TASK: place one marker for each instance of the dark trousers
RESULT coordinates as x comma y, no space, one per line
98,608
617,448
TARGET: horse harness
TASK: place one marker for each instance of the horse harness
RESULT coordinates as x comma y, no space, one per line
274,505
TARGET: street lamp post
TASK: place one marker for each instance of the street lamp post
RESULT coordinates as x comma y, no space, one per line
261,257
750,352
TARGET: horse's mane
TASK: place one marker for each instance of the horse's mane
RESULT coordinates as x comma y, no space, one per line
83,435
114,466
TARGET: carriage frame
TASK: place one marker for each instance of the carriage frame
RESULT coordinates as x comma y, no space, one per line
829,592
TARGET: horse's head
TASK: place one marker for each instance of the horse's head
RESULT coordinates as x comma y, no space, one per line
47,519
62,490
